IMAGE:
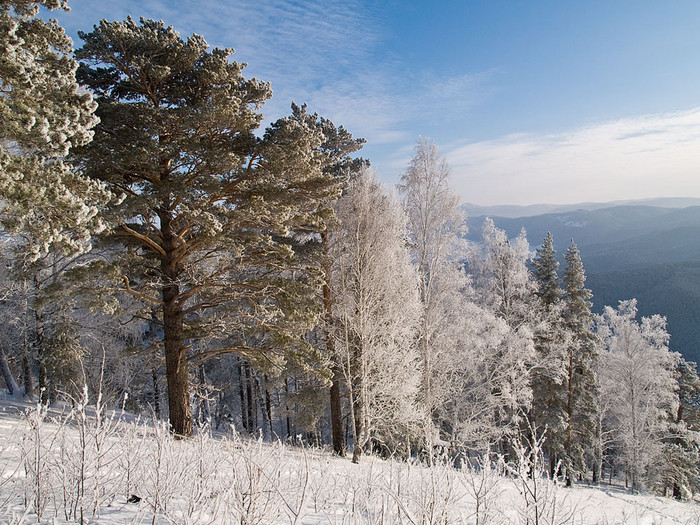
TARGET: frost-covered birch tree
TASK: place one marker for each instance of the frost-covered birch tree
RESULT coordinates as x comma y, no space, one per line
436,224
476,395
376,316
502,277
504,286
637,375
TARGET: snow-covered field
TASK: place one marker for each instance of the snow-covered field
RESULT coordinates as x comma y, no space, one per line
69,467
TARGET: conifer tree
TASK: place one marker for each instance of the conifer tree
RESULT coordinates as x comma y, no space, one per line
43,115
338,145
217,227
679,465
581,385
50,209
548,374
545,266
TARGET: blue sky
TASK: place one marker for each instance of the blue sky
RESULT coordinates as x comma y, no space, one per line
529,101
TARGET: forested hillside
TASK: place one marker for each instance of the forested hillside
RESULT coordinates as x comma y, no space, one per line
651,253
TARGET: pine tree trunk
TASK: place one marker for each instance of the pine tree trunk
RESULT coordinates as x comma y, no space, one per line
337,436
27,373
260,396
204,413
268,407
219,414
286,407
176,368
250,407
41,356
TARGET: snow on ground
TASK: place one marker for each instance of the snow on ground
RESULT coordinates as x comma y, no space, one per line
69,468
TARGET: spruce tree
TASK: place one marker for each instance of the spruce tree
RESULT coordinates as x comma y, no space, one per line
545,266
679,467
218,228
581,391
548,375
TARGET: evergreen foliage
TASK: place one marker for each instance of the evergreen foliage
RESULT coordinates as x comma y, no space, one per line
216,223
581,363
545,266
679,469
549,376
43,115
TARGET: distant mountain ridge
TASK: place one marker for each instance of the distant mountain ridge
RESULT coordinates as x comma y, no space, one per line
514,211
650,252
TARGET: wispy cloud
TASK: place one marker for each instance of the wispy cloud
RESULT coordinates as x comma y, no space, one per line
318,52
647,156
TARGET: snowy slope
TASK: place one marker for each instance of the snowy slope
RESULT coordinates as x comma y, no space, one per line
69,466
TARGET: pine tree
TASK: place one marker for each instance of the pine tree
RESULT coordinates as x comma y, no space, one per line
545,266
49,208
42,116
581,386
339,144
218,229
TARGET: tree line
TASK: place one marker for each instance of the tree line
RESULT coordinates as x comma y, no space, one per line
159,242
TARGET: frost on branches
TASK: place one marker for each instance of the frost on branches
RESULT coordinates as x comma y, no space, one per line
377,311
505,287
436,224
637,377
43,115
218,229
